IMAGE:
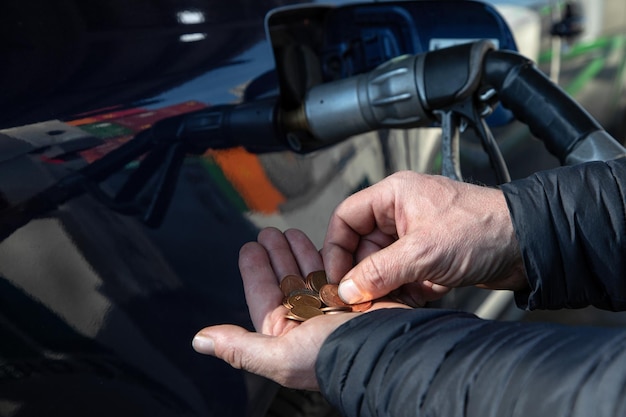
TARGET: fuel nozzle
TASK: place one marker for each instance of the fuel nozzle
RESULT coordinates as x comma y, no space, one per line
402,93
387,97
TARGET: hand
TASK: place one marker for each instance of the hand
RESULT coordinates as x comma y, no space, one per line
422,233
282,350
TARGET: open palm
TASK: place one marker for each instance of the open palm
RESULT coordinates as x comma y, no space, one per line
282,349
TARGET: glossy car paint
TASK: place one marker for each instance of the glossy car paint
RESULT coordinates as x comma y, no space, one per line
96,310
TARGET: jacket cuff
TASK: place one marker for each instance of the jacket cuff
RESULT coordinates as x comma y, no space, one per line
570,226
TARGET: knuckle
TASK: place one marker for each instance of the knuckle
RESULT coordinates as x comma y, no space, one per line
372,274
234,356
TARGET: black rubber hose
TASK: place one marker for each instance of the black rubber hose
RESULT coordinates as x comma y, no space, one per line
550,113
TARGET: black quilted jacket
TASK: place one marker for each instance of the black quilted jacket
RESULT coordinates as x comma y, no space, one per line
571,224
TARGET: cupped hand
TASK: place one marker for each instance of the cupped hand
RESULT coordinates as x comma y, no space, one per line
281,349
424,235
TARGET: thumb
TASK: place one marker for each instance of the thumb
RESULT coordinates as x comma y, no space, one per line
260,354
233,344
377,275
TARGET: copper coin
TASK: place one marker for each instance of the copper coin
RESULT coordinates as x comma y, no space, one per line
316,280
305,312
304,300
360,307
336,309
329,295
290,316
330,313
290,283
304,291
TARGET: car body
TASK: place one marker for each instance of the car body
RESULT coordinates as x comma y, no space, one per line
97,311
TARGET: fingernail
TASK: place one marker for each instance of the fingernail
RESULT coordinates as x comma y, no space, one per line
348,292
203,344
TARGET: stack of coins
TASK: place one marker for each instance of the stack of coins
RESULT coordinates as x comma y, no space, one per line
314,296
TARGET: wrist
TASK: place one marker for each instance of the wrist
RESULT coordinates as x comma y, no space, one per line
513,275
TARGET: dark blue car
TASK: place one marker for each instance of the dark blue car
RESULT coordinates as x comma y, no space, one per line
100,297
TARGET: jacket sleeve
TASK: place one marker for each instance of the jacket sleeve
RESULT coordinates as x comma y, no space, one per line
428,362
571,226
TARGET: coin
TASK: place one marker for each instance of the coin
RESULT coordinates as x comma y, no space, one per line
290,283
314,296
329,294
305,291
330,313
304,312
337,309
316,280
304,300
361,307
294,318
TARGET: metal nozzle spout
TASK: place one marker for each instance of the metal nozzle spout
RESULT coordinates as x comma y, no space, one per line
295,119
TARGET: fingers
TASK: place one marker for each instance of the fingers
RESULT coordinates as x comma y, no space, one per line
362,220
291,252
342,241
280,253
260,285
417,294
372,243
264,263
379,274
304,251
